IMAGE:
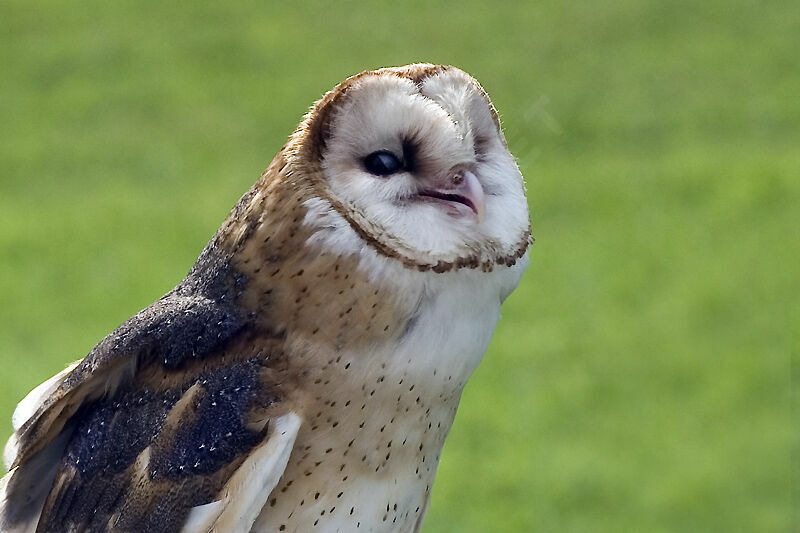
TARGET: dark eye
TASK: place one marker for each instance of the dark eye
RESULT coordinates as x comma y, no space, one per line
382,163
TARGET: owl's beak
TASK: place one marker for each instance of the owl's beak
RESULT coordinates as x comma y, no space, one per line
462,191
473,191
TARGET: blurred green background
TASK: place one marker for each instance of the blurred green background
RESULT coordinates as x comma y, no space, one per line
640,379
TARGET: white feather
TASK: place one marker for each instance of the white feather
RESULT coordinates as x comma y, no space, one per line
37,396
28,406
247,490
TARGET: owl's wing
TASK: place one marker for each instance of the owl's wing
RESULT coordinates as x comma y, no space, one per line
174,419
246,492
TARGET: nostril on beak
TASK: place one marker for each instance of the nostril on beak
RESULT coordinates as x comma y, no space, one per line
458,179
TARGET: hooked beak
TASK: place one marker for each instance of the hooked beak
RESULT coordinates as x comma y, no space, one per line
464,194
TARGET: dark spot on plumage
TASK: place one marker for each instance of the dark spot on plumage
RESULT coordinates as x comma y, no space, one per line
410,153
442,266
480,147
411,323
467,262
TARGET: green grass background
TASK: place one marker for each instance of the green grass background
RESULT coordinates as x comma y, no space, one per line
640,379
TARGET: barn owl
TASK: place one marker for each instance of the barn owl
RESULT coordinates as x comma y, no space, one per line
305,373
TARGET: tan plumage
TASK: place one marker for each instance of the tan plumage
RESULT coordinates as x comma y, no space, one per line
307,370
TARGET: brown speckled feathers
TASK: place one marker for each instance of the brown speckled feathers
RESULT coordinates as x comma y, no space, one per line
218,338
310,363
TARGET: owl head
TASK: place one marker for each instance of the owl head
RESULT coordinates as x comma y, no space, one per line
415,160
